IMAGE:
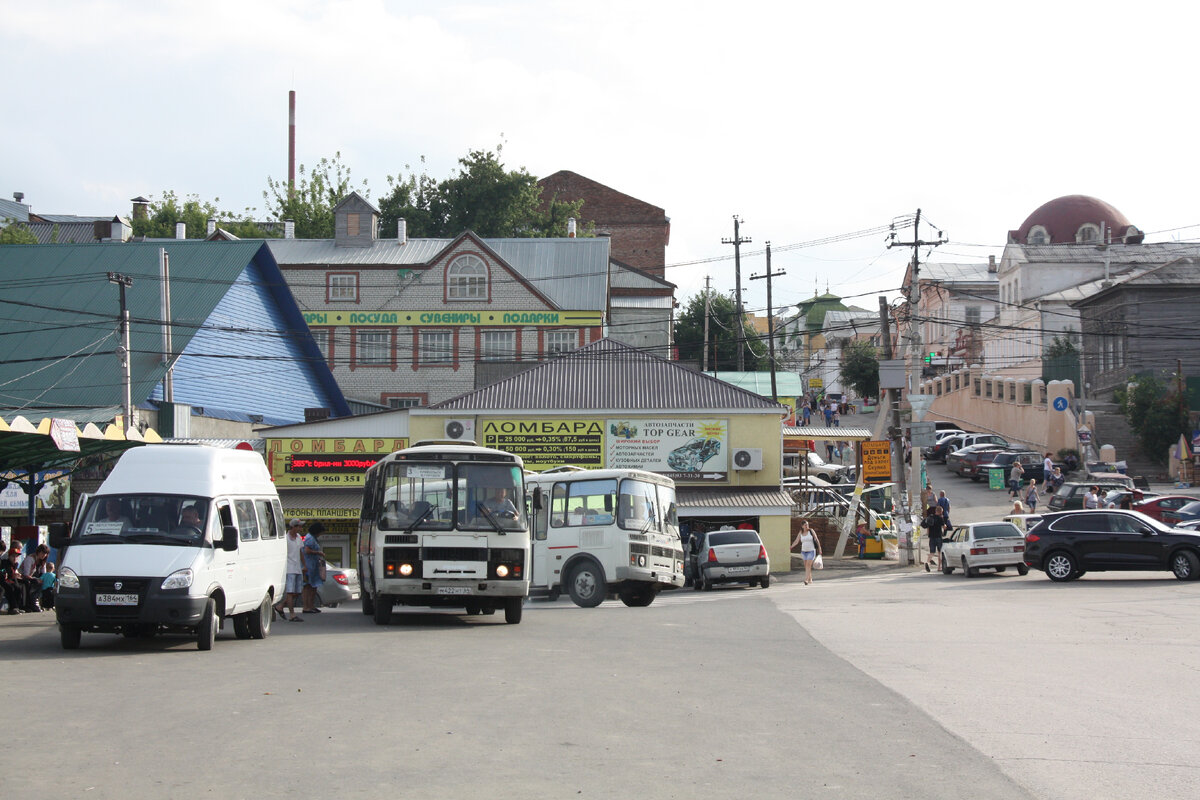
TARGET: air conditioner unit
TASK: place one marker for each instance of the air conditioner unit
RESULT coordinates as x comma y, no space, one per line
460,429
747,458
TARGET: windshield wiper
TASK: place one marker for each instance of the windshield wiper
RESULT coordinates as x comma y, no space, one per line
156,538
424,515
490,517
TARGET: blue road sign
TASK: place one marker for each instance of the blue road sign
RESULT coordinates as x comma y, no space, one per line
1060,404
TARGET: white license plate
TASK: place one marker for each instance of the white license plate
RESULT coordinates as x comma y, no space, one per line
116,599
454,590
736,570
664,578
354,595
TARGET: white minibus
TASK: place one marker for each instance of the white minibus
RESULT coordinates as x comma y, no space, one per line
179,538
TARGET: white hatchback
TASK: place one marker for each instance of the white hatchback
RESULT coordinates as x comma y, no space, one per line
990,545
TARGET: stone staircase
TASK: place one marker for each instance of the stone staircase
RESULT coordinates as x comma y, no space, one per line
1112,428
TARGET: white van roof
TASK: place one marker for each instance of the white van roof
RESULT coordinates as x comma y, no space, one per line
188,469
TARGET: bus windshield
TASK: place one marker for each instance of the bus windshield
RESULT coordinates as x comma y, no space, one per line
490,497
637,507
417,495
435,496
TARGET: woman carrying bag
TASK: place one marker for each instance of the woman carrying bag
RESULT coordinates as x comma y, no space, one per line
810,549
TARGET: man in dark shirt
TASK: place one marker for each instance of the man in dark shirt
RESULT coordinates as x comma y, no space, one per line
935,523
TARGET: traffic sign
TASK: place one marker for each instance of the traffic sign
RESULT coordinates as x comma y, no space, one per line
1060,404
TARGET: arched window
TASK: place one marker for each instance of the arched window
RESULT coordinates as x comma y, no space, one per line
467,279
1038,235
1088,234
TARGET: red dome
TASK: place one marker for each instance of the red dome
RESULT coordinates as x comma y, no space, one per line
1062,218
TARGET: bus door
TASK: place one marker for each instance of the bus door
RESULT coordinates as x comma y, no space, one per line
538,523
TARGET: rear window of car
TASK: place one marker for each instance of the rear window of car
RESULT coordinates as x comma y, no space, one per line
733,537
1089,522
997,531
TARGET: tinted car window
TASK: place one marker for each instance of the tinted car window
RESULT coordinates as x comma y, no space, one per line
732,537
997,531
1123,524
1083,523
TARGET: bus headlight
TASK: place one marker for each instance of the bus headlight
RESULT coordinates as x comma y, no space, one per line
641,561
67,579
406,570
501,571
179,579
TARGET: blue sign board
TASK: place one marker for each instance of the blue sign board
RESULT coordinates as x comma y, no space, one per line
1060,404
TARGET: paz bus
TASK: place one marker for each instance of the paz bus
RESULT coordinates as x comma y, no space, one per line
600,533
443,525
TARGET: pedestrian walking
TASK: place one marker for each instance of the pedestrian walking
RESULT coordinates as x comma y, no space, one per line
1093,499
828,414
314,565
944,502
805,413
1018,507
810,548
928,496
837,417
1014,479
295,572
1047,468
936,525
1032,496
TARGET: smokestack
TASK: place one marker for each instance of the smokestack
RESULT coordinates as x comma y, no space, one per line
141,207
291,142
212,227
289,229
992,264
571,228
180,230
401,231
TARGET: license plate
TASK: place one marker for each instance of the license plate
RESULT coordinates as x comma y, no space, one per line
453,590
736,570
116,599
664,578
354,595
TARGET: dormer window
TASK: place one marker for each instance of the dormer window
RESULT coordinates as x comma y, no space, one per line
467,279
1088,234
1038,235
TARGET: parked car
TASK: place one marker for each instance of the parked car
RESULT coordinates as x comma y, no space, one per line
1156,506
1025,522
940,451
1113,498
341,586
991,545
820,468
1031,462
1184,513
1068,544
1069,496
732,556
967,461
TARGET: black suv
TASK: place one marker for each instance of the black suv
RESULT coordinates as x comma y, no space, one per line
1068,544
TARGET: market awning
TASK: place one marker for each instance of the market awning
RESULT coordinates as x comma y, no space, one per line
310,504
718,500
28,449
822,434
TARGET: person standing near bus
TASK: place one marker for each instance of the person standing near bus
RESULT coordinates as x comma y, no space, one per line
294,580
314,565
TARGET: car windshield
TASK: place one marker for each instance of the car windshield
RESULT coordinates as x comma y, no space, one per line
733,537
998,530
1190,508
145,519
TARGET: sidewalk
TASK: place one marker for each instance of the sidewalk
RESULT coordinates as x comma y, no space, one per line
841,568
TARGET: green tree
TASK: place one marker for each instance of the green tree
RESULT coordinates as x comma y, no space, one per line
310,203
482,196
722,335
1156,414
164,213
16,233
860,368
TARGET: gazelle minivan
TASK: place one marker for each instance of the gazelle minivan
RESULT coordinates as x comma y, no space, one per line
179,538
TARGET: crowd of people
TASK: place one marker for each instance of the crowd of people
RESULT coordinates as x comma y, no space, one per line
832,411
27,578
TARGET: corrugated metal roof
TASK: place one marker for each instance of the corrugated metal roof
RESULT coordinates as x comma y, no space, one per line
957,273
259,445
822,434
689,497
10,209
573,273
63,233
607,374
1153,253
642,302
73,218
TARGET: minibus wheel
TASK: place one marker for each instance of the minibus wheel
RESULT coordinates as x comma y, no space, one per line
206,631
259,622
383,609
70,635
512,609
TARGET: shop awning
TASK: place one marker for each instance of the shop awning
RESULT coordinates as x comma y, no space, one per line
822,434
310,504
27,448
732,500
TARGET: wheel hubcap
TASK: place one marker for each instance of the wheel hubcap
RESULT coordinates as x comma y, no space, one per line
1182,568
585,584
1059,567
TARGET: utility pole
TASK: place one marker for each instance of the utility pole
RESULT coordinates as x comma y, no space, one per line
737,241
707,314
770,320
124,282
914,354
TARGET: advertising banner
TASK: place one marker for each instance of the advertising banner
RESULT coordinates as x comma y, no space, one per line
877,462
334,463
547,443
360,319
682,449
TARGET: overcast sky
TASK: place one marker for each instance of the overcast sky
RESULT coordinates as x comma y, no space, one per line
807,120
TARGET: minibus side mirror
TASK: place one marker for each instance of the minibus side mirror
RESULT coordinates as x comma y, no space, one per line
608,503
60,534
229,539
537,498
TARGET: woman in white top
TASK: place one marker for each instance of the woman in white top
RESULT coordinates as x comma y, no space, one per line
810,548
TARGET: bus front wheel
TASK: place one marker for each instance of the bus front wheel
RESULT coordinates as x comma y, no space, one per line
383,609
512,609
586,585
637,596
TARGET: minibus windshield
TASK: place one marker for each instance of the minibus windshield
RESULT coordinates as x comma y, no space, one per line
145,519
